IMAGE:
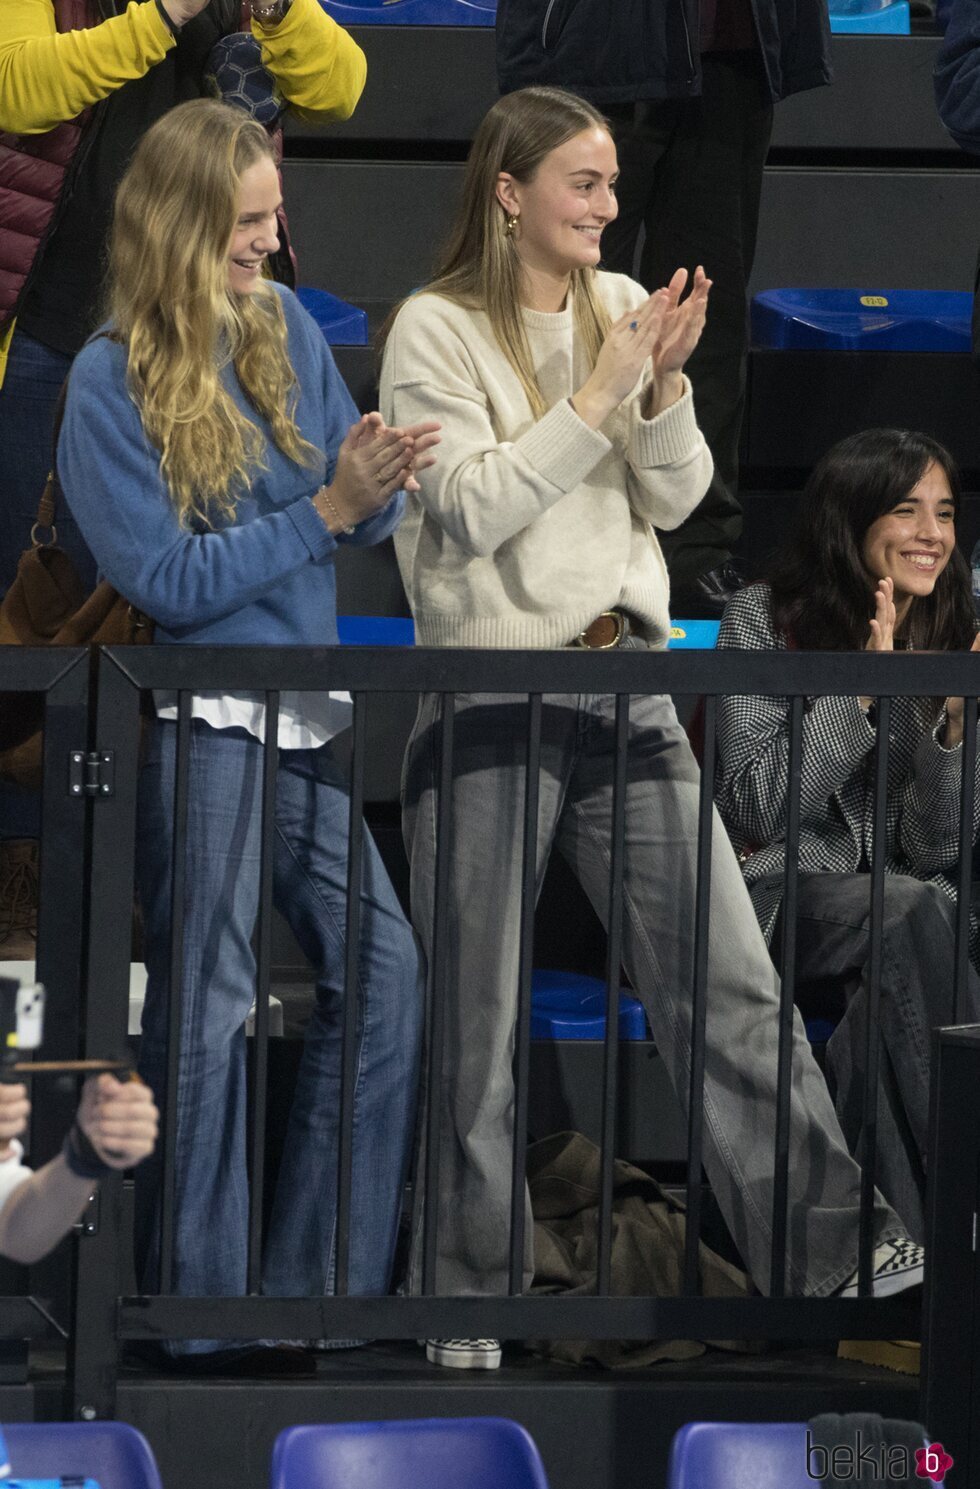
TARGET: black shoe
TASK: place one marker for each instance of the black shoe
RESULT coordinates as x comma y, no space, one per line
253,1361
705,598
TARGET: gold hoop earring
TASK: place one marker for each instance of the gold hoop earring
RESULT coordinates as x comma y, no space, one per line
511,225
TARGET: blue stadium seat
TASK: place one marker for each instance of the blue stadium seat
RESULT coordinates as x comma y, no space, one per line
891,19
739,1455
699,635
863,320
376,630
432,1453
399,630
112,1453
570,1005
341,324
412,12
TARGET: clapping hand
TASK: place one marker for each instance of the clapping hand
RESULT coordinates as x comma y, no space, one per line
881,635
954,712
681,328
373,462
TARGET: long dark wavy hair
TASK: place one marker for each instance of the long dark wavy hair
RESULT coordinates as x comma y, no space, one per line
822,593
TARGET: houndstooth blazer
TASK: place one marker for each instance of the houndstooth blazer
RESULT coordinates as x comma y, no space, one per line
837,780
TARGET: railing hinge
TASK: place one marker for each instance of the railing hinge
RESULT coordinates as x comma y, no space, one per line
92,773
87,1223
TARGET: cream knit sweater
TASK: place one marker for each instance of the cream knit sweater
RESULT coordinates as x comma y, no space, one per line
524,531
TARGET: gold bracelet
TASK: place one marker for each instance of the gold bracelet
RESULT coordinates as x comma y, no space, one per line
332,509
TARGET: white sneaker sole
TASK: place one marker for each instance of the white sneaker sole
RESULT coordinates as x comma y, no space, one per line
462,1359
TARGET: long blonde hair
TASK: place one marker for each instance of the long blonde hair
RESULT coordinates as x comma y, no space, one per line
480,266
172,307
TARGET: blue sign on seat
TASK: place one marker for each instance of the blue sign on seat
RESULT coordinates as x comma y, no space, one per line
341,324
412,12
863,320
570,1005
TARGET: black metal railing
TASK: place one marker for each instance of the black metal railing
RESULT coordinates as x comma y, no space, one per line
104,1319
62,679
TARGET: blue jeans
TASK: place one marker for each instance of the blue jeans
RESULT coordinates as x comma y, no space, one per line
219,912
28,397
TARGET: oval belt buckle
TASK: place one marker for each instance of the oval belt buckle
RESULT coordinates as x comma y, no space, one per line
620,631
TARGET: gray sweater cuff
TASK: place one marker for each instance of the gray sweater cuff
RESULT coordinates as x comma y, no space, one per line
668,437
562,447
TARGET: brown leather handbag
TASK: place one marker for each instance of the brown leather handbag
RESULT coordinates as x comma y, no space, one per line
47,605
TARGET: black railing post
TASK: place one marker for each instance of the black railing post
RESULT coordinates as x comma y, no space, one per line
93,1360
964,900
872,1023
614,957
352,949
699,1005
529,887
61,915
950,1397
787,993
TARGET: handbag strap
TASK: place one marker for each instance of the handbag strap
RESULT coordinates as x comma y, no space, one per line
47,506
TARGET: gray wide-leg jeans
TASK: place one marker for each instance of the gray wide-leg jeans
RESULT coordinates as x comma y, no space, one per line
918,945
477,1090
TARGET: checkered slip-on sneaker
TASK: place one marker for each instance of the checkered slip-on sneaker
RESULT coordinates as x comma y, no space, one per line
898,1265
464,1354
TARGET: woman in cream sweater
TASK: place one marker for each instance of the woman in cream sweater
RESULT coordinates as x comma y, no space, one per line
568,434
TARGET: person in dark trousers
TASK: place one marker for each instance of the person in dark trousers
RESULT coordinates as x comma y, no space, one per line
957,83
689,88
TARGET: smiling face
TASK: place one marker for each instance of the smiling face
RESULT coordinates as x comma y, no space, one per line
912,544
562,210
256,232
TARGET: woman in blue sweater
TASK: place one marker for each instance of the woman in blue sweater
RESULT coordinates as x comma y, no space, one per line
214,460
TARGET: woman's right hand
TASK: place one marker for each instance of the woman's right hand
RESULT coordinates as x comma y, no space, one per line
881,632
373,462
629,342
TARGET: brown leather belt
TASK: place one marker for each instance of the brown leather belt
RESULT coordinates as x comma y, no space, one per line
608,630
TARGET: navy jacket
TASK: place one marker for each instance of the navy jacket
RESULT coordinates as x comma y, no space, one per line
619,51
957,76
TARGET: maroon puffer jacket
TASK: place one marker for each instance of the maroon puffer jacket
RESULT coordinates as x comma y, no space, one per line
32,173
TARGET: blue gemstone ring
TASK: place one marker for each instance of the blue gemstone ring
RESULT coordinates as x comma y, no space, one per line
634,325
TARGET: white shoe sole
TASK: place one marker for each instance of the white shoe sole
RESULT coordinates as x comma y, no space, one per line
462,1359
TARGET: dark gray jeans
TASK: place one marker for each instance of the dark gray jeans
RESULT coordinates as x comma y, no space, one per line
833,945
477,1092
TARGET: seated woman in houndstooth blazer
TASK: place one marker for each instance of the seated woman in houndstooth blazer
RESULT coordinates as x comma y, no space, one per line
873,564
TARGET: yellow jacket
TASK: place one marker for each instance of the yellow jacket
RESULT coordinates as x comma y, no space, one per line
48,77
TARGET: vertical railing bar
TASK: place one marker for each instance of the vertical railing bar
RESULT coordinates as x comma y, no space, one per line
964,895
440,991
355,859
871,1023
610,1064
178,858
787,993
699,1003
523,1047
263,957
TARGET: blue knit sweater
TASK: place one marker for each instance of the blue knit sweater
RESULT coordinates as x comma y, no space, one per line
265,579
